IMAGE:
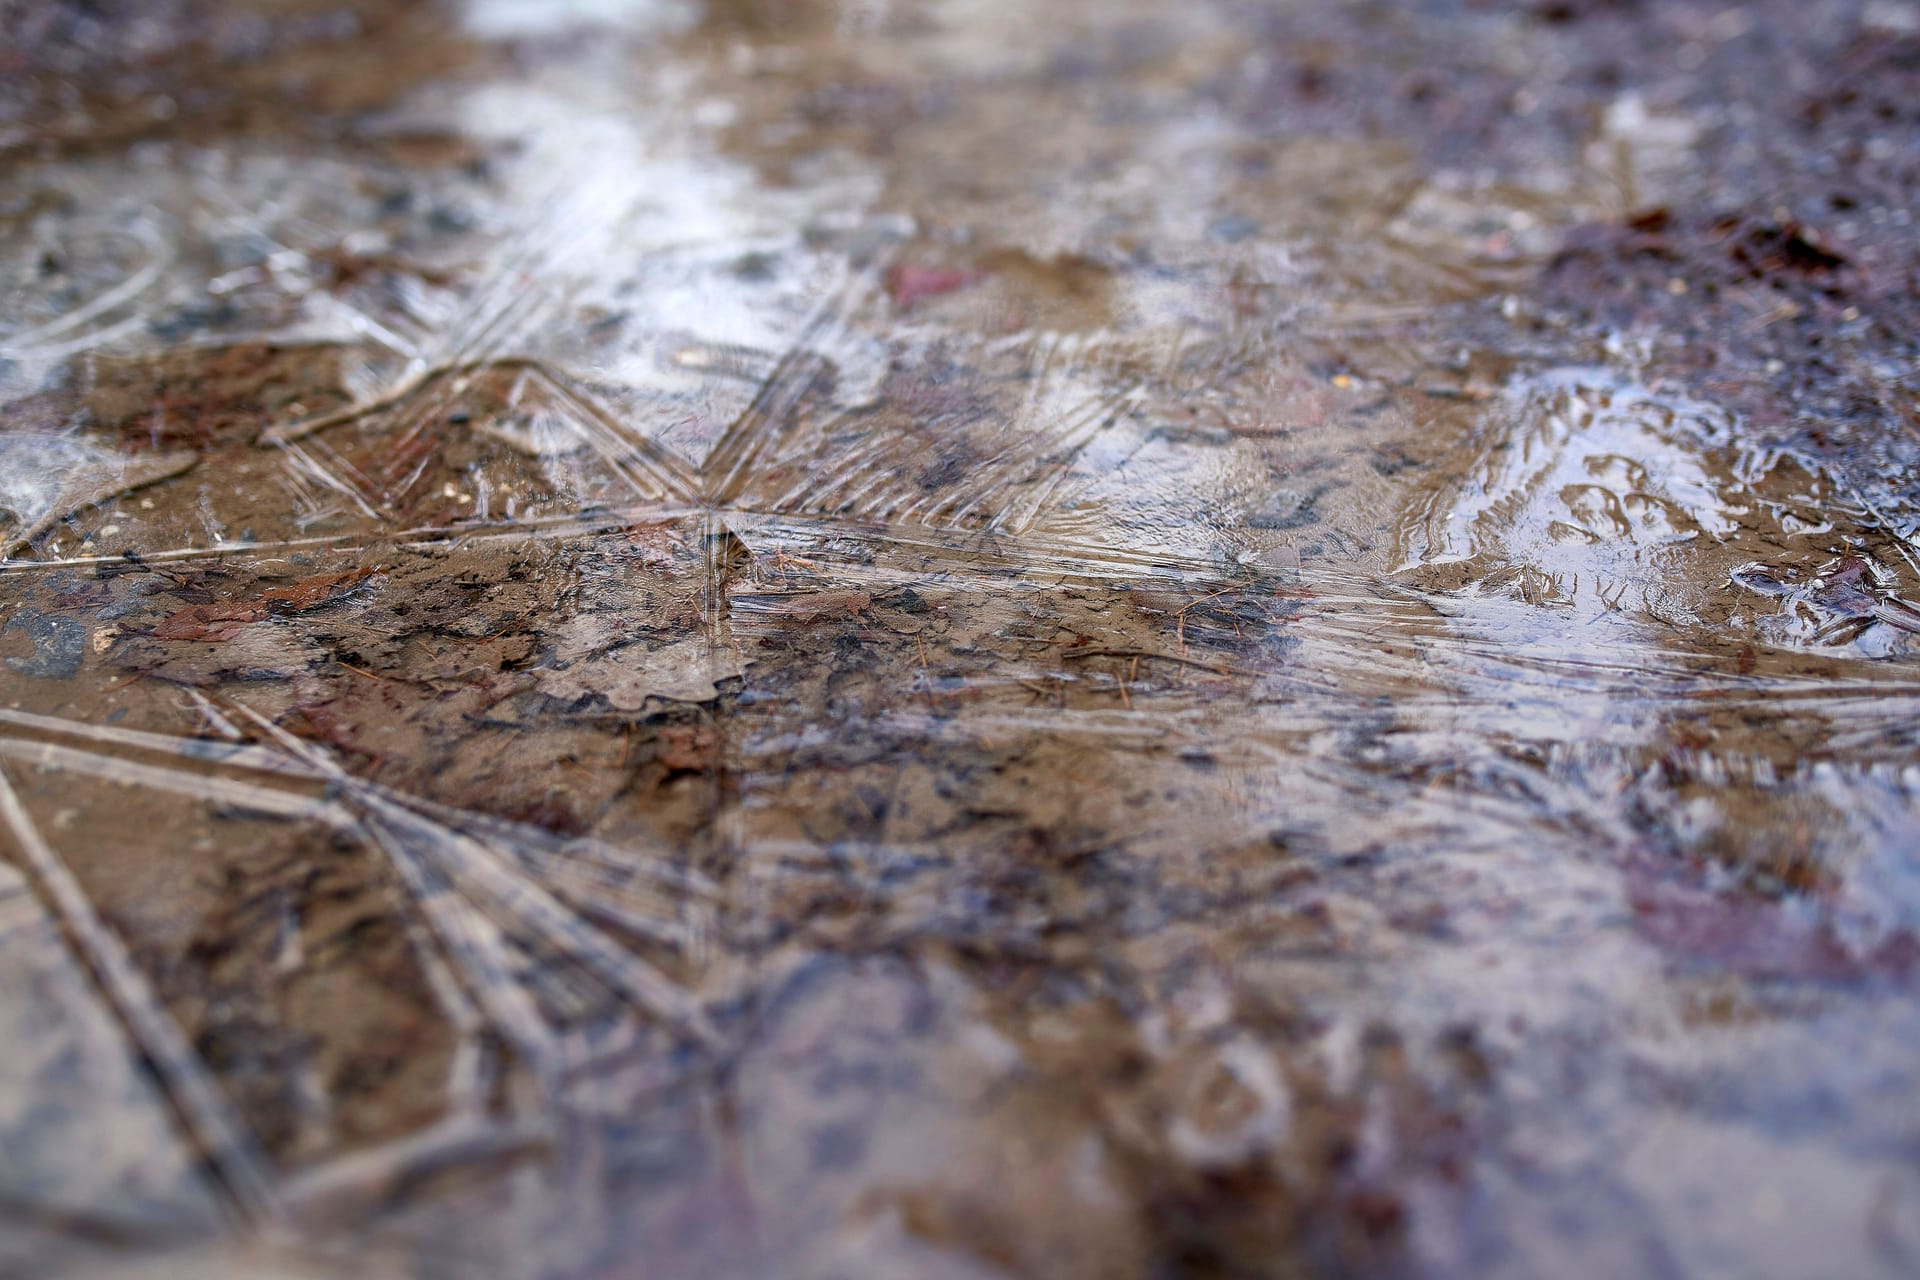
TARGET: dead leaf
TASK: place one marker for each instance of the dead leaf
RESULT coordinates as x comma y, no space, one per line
311,593
221,620
693,747
686,671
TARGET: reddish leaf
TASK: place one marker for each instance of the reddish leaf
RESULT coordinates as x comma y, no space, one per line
907,283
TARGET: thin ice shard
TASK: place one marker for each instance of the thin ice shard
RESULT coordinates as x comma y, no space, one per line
70,478
231,1151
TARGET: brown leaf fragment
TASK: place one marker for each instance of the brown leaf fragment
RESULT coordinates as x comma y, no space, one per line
690,747
218,621
222,619
311,593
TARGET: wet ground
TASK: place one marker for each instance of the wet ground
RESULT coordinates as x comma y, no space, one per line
886,639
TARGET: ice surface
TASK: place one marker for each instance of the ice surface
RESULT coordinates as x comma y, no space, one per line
1089,639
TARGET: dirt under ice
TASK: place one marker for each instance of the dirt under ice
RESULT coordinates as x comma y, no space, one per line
856,638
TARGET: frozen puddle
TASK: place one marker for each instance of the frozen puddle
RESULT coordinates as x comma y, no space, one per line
726,640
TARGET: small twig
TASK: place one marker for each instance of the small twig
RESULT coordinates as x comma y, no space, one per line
1180,616
926,678
1194,604
1037,690
1214,667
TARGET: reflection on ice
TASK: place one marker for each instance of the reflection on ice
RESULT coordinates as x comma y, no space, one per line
1584,489
945,640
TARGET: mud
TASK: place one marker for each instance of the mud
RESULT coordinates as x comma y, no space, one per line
861,638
